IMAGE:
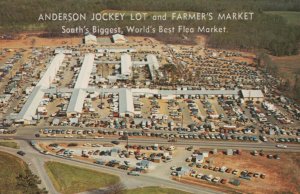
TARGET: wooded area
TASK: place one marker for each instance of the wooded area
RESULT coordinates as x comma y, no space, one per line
271,32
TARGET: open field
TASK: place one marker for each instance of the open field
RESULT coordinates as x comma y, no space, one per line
71,179
281,175
292,17
10,144
11,167
154,190
288,67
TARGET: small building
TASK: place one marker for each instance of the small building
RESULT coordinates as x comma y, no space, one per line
55,122
73,121
184,170
205,154
90,39
63,51
156,159
271,131
118,38
229,152
215,151
252,95
198,159
143,164
114,152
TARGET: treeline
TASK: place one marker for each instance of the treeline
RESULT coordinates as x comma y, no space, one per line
265,31
13,12
290,85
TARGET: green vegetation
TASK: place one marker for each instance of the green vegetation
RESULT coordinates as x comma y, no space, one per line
154,190
10,144
292,17
266,31
15,176
285,68
289,70
72,179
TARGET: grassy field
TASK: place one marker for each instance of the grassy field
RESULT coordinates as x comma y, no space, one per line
69,179
10,144
292,17
155,190
11,166
288,66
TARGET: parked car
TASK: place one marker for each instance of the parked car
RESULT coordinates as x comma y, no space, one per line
133,173
21,153
115,142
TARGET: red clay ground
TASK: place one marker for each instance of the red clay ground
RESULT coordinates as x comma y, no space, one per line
281,175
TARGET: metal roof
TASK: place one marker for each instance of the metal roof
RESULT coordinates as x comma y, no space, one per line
29,108
32,103
51,71
76,101
125,101
85,71
118,37
152,64
126,64
252,94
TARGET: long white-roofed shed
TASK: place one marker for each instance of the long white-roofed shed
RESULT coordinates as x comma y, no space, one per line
255,95
85,71
51,71
153,65
76,102
78,95
28,111
126,64
126,107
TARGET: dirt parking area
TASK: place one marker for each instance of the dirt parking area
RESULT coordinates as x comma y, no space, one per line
282,176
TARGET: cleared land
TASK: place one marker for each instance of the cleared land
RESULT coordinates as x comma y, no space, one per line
282,176
155,190
26,40
288,65
71,179
10,144
292,17
11,167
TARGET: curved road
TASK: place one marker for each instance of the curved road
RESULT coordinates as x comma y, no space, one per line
37,161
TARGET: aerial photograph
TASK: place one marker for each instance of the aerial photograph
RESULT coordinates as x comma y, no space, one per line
149,96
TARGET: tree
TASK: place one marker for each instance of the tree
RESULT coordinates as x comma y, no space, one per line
118,188
28,183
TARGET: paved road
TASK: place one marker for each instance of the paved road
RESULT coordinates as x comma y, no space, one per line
37,160
268,146
35,163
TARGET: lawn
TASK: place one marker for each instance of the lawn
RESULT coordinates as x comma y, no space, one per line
10,144
155,190
11,166
71,179
292,17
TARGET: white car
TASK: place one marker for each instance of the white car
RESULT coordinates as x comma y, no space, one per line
281,146
199,176
174,173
